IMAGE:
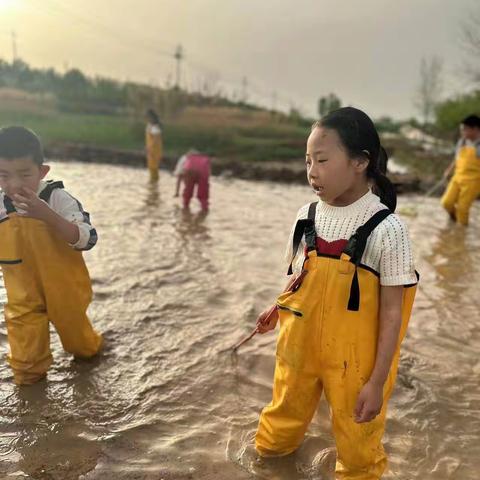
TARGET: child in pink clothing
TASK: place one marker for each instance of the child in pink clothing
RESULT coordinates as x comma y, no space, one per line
194,169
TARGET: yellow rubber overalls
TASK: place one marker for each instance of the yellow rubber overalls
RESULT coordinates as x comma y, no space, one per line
327,342
154,149
464,187
46,281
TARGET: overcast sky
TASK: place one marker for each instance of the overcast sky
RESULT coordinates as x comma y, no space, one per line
366,51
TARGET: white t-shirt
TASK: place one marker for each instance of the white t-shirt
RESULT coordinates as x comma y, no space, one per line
180,165
69,208
154,129
388,250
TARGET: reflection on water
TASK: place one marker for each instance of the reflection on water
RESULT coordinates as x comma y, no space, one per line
173,290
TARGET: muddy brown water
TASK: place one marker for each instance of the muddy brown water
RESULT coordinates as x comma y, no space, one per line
173,290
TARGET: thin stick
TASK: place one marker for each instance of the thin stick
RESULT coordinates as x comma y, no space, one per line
292,284
435,187
245,340
255,331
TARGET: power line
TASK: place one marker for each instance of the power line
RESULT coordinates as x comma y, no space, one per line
93,26
96,27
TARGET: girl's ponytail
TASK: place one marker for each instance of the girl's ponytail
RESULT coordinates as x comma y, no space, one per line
383,187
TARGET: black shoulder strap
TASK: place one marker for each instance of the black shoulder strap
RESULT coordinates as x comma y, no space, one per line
9,207
46,193
304,227
355,248
358,241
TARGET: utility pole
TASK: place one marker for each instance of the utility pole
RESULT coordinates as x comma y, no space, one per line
14,46
178,57
244,90
274,101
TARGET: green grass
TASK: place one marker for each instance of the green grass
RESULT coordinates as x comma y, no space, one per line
107,131
279,142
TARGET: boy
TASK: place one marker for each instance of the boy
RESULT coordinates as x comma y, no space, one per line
42,232
464,187
194,169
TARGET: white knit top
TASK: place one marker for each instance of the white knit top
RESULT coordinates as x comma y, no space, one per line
388,249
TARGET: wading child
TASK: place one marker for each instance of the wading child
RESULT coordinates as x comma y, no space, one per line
42,232
345,312
464,187
153,144
193,169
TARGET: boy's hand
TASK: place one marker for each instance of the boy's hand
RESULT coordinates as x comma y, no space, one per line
30,205
369,402
267,320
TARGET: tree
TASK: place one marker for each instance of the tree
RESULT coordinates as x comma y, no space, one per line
328,104
430,87
451,112
75,86
470,42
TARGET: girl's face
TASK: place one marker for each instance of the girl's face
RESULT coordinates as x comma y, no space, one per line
335,177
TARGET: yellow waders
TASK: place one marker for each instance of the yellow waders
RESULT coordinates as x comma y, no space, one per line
46,281
464,187
154,148
327,342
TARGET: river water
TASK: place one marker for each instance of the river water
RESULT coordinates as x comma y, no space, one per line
172,291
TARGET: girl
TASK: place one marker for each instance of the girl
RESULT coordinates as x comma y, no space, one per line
194,169
153,144
345,312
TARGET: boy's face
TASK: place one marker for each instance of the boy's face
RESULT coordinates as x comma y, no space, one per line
17,173
469,133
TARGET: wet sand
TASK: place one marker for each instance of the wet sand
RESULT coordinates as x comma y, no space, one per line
173,290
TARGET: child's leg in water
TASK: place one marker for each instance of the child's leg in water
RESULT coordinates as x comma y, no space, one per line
27,327
450,198
469,191
360,453
189,180
284,421
203,192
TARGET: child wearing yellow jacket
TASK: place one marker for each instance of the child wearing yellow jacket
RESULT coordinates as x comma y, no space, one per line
43,230
464,187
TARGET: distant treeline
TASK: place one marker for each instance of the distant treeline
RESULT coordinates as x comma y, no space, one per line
74,91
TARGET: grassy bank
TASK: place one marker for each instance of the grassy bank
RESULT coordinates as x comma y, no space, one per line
100,130
232,133
227,132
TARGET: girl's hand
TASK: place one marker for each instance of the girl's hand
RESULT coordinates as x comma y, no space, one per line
30,205
369,402
267,320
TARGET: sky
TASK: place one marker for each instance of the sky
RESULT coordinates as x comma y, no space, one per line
367,52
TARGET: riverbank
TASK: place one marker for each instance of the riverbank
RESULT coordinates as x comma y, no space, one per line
292,171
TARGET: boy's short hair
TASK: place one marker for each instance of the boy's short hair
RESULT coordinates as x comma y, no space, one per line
19,142
472,121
